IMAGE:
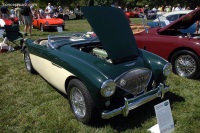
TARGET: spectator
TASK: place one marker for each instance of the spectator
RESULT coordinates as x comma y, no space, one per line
27,17
173,7
12,11
18,14
49,9
178,8
60,10
197,27
154,9
4,11
146,11
188,8
41,12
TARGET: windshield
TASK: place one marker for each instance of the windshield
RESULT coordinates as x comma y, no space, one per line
59,40
162,22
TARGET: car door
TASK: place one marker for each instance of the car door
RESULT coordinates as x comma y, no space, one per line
54,73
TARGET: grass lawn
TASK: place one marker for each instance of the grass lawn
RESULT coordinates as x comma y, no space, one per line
29,104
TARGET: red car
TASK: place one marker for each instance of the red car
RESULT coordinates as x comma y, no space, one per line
8,21
48,23
181,49
135,13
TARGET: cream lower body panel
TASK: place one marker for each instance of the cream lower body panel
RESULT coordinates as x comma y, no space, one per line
54,74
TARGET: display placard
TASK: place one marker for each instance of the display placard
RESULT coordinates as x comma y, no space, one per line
164,117
59,29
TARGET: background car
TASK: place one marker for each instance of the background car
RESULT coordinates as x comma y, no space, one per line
172,16
48,23
169,42
67,16
106,75
8,21
135,13
151,14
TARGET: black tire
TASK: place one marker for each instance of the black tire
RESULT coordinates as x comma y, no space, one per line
27,61
186,64
82,106
65,17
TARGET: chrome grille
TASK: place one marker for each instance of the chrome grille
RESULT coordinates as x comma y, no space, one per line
134,81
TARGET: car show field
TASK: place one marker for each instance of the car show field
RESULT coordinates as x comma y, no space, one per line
30,104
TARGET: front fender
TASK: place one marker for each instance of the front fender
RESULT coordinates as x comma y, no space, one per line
154,62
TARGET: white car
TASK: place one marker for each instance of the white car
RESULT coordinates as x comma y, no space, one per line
172,16
69,15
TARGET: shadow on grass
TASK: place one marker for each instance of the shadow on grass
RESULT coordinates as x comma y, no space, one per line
136,117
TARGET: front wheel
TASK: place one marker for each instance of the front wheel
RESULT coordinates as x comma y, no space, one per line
28,63
186,64
80,101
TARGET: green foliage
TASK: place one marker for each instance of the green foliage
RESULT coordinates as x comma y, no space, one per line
128,3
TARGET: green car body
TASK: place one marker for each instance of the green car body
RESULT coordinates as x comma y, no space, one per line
101,75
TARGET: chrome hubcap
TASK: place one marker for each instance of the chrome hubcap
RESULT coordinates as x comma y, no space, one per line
78,102
27,62
185,65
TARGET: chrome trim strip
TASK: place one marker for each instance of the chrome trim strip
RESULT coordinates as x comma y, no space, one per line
136,102
56,65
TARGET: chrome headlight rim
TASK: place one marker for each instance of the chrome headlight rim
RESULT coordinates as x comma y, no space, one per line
108,88
167,69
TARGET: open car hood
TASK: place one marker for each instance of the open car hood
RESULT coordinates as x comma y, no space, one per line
184,22
114,32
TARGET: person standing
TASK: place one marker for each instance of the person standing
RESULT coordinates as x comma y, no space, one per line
18,14
197,27
178,8
4,11
49,9
146,11
27,17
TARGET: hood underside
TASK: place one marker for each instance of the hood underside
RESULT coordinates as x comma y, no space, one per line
184,22
113,30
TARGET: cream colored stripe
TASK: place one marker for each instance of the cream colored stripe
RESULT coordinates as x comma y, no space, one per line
53,74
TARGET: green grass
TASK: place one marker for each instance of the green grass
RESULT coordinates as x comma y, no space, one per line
29,104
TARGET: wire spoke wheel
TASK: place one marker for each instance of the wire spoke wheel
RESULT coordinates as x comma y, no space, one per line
78,102
185,65
27,61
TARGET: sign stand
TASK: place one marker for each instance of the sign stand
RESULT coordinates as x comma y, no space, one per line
164,118
59,29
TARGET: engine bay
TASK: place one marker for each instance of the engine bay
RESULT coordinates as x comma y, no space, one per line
96,49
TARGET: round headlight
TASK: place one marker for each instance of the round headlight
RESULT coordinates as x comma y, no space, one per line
108,88
167,69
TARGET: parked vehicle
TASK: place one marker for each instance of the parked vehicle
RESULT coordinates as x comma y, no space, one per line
170,42
151,14
172,16
135,13
106,75
48,23
8,21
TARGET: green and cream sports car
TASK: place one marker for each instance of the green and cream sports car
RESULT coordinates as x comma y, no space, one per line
103,73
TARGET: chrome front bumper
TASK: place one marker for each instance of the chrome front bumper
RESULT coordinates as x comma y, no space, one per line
136,102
